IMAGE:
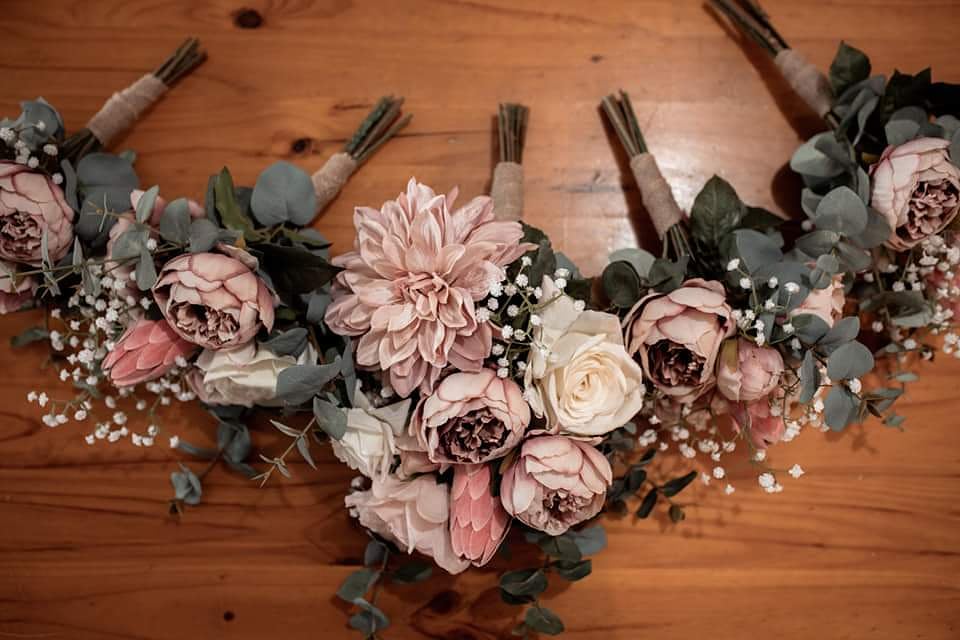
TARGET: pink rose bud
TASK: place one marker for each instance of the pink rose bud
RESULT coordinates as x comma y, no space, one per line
215,300
31,204
478,522
146,351
471,418
748,372
677,337
916,188
555,482
763,427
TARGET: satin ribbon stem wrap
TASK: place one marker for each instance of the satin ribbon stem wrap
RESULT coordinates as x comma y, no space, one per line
331,177
805,80
657,197
124,108
507,191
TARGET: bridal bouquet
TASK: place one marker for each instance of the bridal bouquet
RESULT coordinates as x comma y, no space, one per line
736,320
889,167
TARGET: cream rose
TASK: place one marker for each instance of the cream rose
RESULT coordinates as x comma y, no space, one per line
580,375
245,375
369,443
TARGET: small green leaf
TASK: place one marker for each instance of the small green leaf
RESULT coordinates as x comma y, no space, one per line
357,584
225,196
574,571
175,222
850,360
849,66
647,504
28,336
525,582
330,418
543,620
412,572
145,204
676,485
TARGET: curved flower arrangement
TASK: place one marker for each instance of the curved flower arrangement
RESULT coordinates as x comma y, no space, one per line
476,381
884,177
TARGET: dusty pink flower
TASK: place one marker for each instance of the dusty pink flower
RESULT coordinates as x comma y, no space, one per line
215,300
410,284
677,337
917,189
196,211
747,372
470,418
31,204
827,303
763,428
478,522
414,514
146,351
14,297
555,482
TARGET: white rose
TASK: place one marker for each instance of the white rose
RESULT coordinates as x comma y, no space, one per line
370,441
580,375
245,375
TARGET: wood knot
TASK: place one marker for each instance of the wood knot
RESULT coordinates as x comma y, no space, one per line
228,616
302,145
247,18
444,602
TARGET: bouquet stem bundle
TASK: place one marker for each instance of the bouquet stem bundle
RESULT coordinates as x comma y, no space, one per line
665,213
383,122
507,186
804,78
124,108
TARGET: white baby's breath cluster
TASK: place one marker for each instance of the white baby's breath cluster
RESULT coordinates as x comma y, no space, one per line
513,308
12,137
937,270
83,333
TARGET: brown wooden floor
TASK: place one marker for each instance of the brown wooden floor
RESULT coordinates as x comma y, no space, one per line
864,546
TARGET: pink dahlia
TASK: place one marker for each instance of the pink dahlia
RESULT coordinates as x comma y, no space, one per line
410,284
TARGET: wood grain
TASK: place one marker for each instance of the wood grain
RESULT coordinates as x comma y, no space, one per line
864,545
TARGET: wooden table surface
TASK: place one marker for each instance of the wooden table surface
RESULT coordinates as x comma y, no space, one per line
864,546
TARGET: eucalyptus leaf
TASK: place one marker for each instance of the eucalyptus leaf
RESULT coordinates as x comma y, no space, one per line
842,211
231,215
130,244
589,540
640,260
300,383
850,360
288,343
543,620
331,418
756,250
876,232
145,204
809,327
284,193
840,408
175,222
525,582
900,131
808,160
356,585
849,66
412,572
809,378
622,285
146,272
203,235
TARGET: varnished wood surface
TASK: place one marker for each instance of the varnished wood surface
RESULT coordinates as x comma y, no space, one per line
864,546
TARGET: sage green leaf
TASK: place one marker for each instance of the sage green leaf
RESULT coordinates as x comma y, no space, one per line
543,620
294,270
203,235
622,284
175,221
145,204
146,272
412,572
288,343
756,250
900,131
284,193
525,582
647,504
130,243
809,378
331,418
28,336
561,547
369,619
574,571
589,540
850,360
640,260
809,328
840,408
676,485
842,211
356,585
300,383
807,160
876,232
